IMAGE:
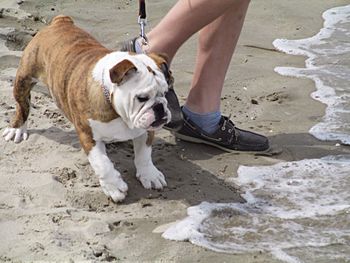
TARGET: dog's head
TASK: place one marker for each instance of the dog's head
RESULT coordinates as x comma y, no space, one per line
138,94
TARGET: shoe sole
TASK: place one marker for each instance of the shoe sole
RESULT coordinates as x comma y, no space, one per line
200,141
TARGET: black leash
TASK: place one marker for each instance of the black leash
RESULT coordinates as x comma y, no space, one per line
142,19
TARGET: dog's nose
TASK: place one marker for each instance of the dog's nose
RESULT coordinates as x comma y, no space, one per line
159,115
159,111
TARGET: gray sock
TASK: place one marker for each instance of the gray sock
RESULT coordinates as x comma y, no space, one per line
209,122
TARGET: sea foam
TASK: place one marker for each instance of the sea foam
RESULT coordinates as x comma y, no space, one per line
294,210
327,63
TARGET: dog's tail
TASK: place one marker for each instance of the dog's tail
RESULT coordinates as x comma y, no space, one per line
62,19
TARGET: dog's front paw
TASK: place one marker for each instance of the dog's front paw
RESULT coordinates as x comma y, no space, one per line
115,188
17,134
151,177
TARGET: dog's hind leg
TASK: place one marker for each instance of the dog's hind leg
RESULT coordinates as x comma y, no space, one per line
21,91
29,69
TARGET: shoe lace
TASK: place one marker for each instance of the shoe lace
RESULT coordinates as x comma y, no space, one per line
230,126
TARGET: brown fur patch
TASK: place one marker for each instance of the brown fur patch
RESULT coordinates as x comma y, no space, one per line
159,58
62,18
63,56
150,138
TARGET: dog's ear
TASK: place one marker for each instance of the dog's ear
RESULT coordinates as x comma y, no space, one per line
162,62
122,71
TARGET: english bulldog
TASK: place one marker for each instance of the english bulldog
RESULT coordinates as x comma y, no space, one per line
108,96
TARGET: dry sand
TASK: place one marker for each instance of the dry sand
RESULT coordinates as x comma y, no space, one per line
51,206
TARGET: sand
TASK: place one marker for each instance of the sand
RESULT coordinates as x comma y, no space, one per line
51,206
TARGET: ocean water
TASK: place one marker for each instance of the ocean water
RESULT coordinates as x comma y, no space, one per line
295,211
328,60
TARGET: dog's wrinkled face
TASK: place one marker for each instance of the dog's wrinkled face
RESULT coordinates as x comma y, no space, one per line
139,87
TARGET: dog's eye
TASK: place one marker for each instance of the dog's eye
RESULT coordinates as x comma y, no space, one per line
142,98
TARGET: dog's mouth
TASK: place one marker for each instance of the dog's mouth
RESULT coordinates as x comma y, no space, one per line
160,122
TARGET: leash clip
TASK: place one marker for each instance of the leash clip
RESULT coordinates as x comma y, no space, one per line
142,22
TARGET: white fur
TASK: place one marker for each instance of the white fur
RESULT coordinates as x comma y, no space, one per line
101,70
113,131
110,179
134,113
146,172
17,134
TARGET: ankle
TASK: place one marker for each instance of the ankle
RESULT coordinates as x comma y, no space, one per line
209,122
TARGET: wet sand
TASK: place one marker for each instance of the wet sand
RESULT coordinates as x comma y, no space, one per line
51,206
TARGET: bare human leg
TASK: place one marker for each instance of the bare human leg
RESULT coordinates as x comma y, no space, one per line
185,19
217,42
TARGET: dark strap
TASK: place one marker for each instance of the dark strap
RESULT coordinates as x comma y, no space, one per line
142,9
